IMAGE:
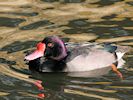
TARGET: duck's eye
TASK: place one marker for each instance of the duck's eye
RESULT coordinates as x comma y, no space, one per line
50,45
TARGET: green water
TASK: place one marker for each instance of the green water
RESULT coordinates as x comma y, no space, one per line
23,23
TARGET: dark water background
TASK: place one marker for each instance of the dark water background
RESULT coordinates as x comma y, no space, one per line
25,22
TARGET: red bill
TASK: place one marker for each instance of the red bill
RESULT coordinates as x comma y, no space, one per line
39,52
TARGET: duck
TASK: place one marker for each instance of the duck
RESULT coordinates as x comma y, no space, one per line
52,54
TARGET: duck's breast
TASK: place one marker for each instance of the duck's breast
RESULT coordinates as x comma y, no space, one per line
94,59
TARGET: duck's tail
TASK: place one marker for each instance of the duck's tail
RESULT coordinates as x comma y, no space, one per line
120,51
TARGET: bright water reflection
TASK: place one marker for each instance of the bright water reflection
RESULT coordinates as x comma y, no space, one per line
25,22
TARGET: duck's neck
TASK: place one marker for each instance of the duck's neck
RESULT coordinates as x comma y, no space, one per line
62,48
61,56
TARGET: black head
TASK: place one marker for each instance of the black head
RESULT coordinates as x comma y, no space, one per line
55,48
51,47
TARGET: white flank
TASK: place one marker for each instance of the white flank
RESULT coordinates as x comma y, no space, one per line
96,59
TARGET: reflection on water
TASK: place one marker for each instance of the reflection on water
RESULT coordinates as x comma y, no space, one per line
105,3
35,25
65,1
23,23
10,22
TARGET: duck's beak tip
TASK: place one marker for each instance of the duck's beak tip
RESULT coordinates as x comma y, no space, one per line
39,52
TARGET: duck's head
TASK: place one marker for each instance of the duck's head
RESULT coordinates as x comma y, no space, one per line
51,47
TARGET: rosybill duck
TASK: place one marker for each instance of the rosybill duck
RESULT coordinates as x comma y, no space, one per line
53,55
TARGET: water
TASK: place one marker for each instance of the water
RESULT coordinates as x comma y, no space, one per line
23,23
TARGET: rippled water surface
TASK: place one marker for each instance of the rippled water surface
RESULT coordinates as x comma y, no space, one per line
23,23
